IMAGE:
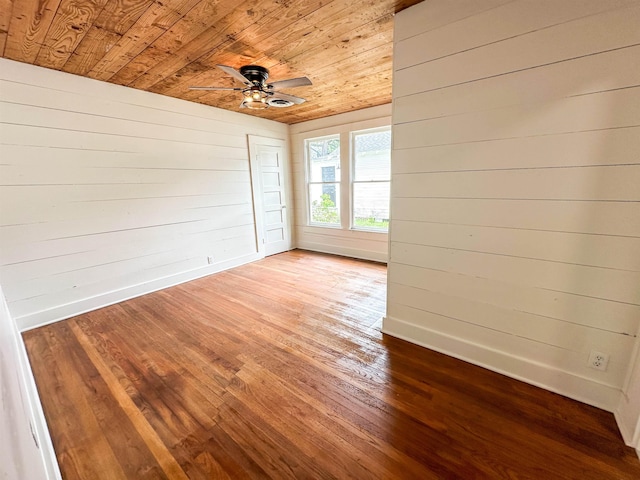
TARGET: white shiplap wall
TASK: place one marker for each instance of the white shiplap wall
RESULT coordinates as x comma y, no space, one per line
515,236
108,192
338,241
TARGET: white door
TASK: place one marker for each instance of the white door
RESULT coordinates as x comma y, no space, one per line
269,194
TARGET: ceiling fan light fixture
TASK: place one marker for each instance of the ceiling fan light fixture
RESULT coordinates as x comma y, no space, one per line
261,104
255,98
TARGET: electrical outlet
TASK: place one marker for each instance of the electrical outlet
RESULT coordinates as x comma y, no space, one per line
598,360
210,260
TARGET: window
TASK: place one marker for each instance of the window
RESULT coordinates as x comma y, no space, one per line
371,173
323,175
351,192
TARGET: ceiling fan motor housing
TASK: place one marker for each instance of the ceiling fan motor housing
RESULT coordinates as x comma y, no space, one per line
255,73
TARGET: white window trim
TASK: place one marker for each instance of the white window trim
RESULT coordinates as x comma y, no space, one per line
352,174
308,181
344,131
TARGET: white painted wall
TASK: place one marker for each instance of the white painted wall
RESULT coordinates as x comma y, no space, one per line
25,447
515,236
109,192
339,241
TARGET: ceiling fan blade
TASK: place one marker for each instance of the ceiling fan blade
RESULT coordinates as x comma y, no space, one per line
290,83
290,98
216,88
236,74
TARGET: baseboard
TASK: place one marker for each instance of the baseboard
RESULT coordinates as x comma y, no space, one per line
344,251
45,444
558,381
628,435
68,310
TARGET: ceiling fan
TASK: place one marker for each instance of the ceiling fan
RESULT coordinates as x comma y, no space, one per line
257,93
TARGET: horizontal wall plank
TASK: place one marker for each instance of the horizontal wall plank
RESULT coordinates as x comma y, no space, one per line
433,15
344,251
119,222
84,197
363,245
580,310
38,209
580,37
86,122
621,253
614,285
42,294
200,242
592,148
610,183
201,157
379,245
578,339
60,138
358,119
17,176
510,20
599,218
178,233
155,274
73,101
566,115
335,232
93,90
564,79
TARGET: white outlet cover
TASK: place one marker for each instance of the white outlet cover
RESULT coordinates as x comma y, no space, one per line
598,360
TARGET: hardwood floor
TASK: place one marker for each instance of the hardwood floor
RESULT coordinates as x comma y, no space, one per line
277,369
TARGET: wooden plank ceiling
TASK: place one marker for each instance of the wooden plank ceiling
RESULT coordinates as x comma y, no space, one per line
165,46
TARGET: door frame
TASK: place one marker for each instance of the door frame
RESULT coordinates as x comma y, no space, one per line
256,188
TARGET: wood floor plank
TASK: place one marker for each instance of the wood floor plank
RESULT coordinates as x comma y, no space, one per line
276,370
148,435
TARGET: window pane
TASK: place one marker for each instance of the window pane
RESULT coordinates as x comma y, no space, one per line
371,205
372,156
325,203
324,159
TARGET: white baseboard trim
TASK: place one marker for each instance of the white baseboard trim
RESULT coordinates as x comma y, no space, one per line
344,251
558,381
36,414
62,312
628,435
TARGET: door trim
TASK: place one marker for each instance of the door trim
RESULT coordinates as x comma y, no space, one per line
256,188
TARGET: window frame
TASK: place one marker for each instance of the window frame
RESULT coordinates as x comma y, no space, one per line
337,182
353,181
